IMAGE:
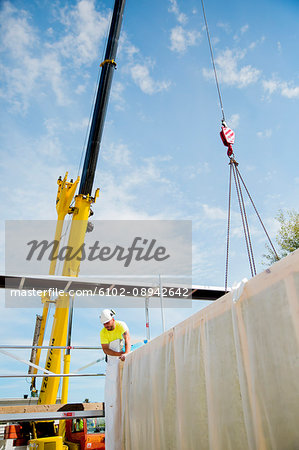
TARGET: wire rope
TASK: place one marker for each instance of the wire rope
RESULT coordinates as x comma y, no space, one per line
246,221
243,223
237,179
213,61
258,215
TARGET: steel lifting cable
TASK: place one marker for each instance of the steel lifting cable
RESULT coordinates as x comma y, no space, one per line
213,62
242,217
250,254
238,180
257,213
235,173
227,136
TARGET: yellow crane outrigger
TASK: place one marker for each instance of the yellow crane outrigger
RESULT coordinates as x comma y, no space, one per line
80,212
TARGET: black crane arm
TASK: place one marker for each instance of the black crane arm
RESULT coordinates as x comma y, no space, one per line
100,109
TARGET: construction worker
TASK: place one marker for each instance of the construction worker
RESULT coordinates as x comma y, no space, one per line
79,425
116,344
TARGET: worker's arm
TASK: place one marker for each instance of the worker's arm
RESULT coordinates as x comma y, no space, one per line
127,338
107,351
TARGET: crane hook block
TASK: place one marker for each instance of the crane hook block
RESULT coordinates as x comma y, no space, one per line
228,138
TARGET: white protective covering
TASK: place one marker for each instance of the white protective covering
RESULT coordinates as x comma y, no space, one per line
226,378
112,400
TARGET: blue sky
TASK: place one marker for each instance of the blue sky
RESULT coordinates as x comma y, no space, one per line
161,155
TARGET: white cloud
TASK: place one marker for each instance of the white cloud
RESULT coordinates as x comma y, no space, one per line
233,121
214,213
243,30
181,17
18,38
181,39
148,172
215,40
16,33
32,65
120,194
286,89
253,44
270,86
224,26
25,76
126,46
250,167
193,171
51,67
228,71
264,134
289,91
141,76
270,175
32,170
139,69
85,27
80,125
121,179
117,95
80,89
117,154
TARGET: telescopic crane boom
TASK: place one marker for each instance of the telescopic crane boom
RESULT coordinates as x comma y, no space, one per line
99,114
80,214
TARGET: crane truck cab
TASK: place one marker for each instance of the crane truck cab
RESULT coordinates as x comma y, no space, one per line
85,434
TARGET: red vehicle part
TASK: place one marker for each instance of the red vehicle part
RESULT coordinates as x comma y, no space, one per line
87,439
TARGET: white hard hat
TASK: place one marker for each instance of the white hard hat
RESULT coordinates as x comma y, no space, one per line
107,315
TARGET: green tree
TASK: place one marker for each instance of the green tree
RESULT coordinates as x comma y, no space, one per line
287,237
